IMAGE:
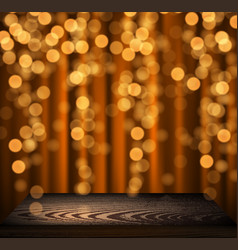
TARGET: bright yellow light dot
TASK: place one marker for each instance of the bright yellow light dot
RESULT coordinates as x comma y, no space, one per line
24,37
146,48
101,41
135,44
82,188
233,22
77,133
34,44
208,16
127,36
193,83
58,31
36,192
67,47
177,74
225,46
128,54
35,208
7,43
205,60
29,145
25,61
130,14
136,154
10,19
191,18
222,88
221,37
197,43
82,47
206,161
142,33
9,57
44,18
82,102
137,133
224,135
116,47
3,34
134,89
70,25
25,132
35,13
15,81
18,167
15,145
76,77
51,39
15,29
43,92
35,109
38,67
124,104
214,109
53,55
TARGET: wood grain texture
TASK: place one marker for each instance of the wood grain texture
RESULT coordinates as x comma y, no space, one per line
117,215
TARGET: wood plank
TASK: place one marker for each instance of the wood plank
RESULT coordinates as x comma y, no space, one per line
117,215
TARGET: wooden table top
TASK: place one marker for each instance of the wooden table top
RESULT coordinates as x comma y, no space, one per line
118,215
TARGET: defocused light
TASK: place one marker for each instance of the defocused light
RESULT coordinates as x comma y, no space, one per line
77,133
35,208
82,102
101,41
136,154
44,18
15,145
82,47
197,43
177,74
18,167
206,161
36,192
224,135
193,83
15,81
43,92
137,133
233,22
191,18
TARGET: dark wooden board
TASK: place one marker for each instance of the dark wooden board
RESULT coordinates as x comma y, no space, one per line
117,215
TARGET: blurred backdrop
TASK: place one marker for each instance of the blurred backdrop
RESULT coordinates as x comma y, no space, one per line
109,102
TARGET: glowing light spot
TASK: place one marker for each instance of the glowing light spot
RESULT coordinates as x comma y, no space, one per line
25,61
224,135
130,14
29,145
18,167
67,47
128,54
35,109
116,47
43,92
51,39
124,104
82,47
25,132
205,60
84,171
70,25
177,74
193,83
82,102
15,81
36,192
58,31
53,55
135,184
15,29
137,133
142,33
9,57
222,88
135,44
82,188
197,43
206,161
191,18
77,133
15,145
35,208
44,18
213,176
233,22
134,89
136,154
208,16
146,48
221,166
101,41
221,37
38,67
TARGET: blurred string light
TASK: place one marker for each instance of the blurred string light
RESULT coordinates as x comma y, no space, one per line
32,45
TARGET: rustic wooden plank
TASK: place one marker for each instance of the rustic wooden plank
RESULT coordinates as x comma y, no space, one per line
117,215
